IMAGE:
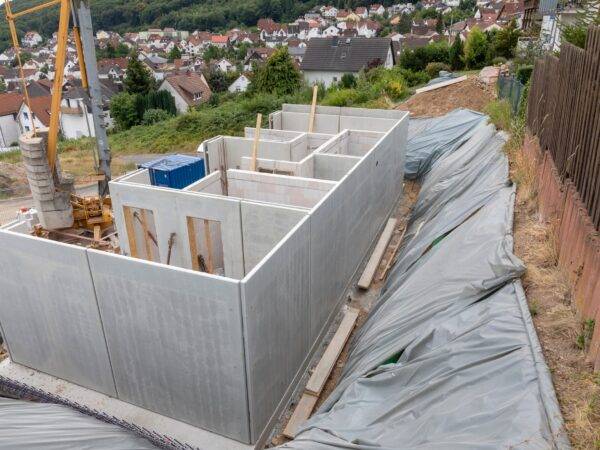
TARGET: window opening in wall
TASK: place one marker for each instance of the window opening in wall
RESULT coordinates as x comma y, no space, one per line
141,233
206,245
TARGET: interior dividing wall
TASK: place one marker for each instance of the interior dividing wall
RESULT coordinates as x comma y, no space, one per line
233,148
332,167
280,189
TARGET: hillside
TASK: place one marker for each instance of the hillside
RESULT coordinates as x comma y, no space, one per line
124,15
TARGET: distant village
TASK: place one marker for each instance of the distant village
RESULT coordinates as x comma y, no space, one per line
180,60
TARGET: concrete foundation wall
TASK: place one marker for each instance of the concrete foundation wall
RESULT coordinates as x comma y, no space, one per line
275,297
48,311
220,353
280,189
175,341
236,147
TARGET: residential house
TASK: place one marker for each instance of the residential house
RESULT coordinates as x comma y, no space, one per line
31,39
218,40
189,90
270,28
9,127
376,9
327,59
329,11
112,68
240,84
76,118
368,28
362,12
224,65
38,115
330,31
256,55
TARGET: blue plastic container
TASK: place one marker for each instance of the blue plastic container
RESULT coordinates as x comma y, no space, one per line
175,171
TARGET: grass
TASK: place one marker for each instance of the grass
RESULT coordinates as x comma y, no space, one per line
11,157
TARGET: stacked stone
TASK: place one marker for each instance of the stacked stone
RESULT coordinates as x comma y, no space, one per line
51,192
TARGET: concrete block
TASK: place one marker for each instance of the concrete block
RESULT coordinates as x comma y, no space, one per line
54,220
175,341
48,311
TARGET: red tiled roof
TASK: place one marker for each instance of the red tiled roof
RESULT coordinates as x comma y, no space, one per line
40,106
190,84
10,103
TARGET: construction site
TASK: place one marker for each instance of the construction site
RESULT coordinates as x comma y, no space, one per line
334,278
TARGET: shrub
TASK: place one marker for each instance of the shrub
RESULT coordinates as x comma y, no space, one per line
344,97
418,58
456,54
348,81
476,49
395,88
433,68
154,116
499,60
124,111
279,75
413,78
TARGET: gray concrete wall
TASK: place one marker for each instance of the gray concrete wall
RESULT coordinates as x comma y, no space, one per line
210,184
279,189
48,311
275,297
170,208
263,226
333,167
175,341
236,147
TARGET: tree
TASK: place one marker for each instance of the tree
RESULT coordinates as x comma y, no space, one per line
588,13
476,49
505,41
457,54
216,80
278,75
2,85
138,79
348,81
404,24
439,24
175,53
124,111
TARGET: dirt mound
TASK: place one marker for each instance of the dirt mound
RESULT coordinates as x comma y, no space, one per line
469,94
13,180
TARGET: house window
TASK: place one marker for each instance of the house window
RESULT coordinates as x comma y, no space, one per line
198,96
26,116
335,79
26,128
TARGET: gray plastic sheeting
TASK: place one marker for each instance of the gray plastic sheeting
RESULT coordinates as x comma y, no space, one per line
448,357
29,426
441,135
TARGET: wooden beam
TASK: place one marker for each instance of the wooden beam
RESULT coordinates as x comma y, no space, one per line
321,373
147,244
129,227
302,412
209,253
97,233
392,256
193,243
313,109
256,139
365,280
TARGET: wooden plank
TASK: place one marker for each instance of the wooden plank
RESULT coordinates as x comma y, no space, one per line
365,280
97,232
321,373
313,109
208,241
145,233
388,265
255,143
440,85
193,243
301,413
129,227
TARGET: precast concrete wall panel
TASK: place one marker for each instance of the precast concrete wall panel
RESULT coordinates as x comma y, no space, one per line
263,226
175,341
276,323
333,167
49,314
298,121
366,123
377,113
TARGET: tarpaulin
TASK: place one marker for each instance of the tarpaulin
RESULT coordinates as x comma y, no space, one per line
29,426
448,357
441,135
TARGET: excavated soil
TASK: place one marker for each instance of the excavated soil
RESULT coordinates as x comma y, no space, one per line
470,94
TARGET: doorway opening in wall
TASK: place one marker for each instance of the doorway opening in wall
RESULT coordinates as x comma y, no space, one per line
206,246
141,233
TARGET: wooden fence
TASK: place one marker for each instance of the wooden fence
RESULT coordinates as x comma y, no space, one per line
564,112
